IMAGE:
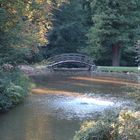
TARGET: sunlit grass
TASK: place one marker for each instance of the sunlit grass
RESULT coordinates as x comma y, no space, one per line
118,69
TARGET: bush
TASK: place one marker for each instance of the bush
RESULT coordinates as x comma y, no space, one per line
124,127
14,86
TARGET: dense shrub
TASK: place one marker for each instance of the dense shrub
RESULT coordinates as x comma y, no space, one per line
14,86
125,126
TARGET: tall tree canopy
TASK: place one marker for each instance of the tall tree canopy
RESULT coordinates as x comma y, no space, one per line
23,25
69,28
63,25
116,27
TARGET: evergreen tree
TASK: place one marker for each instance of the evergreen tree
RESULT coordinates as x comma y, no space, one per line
138,52
69,28
115,27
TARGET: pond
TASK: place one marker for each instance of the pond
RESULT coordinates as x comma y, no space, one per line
61,101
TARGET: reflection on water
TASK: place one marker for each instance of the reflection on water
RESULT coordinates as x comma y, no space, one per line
90,101
33,121
61,102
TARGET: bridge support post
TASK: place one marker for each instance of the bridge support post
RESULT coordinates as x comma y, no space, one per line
50,68
92,68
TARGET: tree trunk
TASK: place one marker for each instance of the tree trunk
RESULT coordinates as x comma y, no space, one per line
116,55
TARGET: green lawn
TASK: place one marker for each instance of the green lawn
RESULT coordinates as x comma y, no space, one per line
117,69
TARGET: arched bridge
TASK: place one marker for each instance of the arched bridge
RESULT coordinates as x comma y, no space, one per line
71,58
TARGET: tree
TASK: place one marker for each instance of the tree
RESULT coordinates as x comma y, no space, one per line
69,28
115,26
23,25
10,29
138,52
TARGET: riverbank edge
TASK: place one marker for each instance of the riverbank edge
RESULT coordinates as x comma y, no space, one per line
36,70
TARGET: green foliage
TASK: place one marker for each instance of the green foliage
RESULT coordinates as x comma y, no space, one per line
23,25
69,28
138,52
124,126
14,86
13,42
114,23
95,130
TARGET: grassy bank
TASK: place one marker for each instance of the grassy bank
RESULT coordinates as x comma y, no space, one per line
117,69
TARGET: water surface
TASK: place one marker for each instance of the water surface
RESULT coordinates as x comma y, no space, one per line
60,102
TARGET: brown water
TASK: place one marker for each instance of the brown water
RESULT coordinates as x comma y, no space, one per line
60,102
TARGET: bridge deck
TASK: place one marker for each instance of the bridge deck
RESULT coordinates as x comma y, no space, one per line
70,57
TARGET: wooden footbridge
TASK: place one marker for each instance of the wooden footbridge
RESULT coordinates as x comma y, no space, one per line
66,58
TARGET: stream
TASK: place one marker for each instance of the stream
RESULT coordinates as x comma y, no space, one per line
61,101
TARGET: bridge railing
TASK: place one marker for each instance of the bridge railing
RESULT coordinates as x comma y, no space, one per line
70,56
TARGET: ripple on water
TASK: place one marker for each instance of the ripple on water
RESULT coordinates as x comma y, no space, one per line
83,107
